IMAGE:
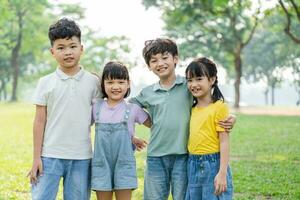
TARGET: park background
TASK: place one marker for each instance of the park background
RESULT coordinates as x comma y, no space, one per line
255,44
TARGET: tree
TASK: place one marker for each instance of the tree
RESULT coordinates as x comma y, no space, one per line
218,28
20,22
291,10
267,55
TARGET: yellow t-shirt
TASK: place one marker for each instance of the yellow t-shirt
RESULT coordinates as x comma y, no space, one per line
204,138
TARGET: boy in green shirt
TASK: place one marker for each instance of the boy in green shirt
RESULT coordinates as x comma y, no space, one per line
168,103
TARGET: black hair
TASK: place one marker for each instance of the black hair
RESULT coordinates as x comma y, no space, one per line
205,67
159,45
64,28
114,70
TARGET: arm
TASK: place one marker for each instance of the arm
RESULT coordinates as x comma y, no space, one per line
228,123
220,181
148,122
38,135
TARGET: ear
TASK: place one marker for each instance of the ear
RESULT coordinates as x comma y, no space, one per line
176,59
51,51
212,80
129,82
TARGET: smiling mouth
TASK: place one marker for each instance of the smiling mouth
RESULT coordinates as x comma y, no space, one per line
68,59
162,69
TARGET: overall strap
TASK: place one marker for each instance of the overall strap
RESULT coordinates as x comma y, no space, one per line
98,107
127,112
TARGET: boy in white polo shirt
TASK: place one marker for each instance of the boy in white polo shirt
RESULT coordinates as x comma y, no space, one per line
61,137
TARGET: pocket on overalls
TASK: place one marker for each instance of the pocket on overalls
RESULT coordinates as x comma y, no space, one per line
126,167
98,168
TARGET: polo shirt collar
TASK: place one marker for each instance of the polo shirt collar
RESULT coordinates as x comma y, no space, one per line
178,80
64,76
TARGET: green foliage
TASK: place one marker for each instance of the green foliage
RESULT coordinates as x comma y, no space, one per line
34,59
212,28
265,155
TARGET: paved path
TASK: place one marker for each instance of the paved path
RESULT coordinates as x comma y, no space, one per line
268,110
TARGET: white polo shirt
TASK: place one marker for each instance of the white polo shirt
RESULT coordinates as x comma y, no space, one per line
69,102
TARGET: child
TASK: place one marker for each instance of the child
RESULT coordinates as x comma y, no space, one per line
113,165
209,175
61,137
168,103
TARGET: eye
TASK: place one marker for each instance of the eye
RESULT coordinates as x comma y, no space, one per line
108,82
153,61
189,80
59,48
165,57
74,46
199,78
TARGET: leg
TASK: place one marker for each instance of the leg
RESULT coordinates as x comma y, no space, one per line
156,182
77,179
194,187
123,194
47,186
104,195
179,177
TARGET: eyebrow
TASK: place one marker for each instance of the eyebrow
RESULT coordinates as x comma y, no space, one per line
73,43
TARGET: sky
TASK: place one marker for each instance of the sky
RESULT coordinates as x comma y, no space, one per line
129,18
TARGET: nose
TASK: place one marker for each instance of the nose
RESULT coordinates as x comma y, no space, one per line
67,51
160,62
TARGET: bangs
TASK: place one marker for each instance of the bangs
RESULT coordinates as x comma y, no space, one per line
115,72
196,69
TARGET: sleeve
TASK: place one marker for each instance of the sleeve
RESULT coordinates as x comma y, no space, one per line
140,114
40,94
221,114
139,100
97,90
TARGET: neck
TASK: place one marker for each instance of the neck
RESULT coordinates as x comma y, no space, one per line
204,101
168,81
70,71
112,103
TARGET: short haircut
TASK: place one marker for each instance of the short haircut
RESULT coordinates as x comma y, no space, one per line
114,70
159,45
64,28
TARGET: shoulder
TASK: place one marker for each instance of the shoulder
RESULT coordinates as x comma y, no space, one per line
221,107
91,76
48,78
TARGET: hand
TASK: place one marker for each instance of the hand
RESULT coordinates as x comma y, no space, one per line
139,143
220,183
36,171
228,123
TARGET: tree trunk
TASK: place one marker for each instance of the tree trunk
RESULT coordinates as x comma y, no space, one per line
3,92
238,71
266,93
273,94
298,102
15,57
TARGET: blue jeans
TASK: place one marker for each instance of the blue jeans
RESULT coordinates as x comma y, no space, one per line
165,172
202,170
76,179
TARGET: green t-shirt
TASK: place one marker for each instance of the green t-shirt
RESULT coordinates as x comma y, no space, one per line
169,110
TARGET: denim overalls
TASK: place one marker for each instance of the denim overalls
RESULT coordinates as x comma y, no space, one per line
113,163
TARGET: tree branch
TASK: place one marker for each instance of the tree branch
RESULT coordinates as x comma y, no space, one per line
287,28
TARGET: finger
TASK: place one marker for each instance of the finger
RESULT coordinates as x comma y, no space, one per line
40,170
216,189
28,174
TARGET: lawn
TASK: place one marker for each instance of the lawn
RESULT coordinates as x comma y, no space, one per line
265,155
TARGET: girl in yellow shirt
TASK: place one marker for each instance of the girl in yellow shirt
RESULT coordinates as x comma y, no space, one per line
209,175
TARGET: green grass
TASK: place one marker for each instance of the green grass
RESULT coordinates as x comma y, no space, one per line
265,155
